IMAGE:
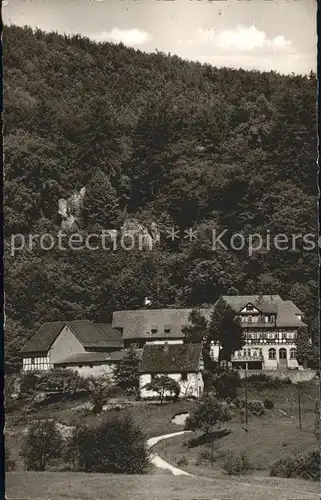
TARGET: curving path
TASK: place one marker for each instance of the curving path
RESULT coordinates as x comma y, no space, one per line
159,462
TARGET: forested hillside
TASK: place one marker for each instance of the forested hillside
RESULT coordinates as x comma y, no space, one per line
162,140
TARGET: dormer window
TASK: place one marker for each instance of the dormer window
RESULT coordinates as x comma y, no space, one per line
154,329
167,328
249,307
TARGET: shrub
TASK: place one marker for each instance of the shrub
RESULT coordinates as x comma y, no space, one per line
115,445
208,412
42,444
61,381
268,404
182,461
239,402
28,383
236,463
256,408
266,381
100,390
305,465
205,455
226,383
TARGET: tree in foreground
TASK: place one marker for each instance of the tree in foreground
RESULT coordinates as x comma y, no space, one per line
225,328
196,330
115,445
209,412
225,383
307,351
99,389
126,374
164,385
42,445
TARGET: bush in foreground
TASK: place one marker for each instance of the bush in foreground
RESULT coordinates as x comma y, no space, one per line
209,412
236,464
305,465
115,445
226,383
268,404
256,407
42,445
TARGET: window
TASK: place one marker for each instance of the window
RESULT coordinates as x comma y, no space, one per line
282,353
184,377
270,335
32,360
249,319
290,335
292,353
272,318
272,353
249,307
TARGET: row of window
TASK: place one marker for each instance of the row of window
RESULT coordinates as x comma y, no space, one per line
33,361
269,335
258,319
282,353
271,353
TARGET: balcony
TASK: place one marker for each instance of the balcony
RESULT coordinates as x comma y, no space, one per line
245,358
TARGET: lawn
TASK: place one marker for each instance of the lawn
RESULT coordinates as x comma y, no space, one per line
77,486
154,419
269,438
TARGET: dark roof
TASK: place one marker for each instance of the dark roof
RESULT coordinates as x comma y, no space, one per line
44,337
140,323
170,358
96,357
286,311
91,335
96,334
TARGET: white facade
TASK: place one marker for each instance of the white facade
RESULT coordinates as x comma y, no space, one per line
95,370
65,345
190,384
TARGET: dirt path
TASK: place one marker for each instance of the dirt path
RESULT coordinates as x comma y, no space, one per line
159,462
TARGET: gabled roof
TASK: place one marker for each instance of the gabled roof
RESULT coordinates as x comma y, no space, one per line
286,311
238,302
90,335
170,358
139,323
263,307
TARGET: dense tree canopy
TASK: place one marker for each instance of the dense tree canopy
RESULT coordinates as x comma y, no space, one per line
162,140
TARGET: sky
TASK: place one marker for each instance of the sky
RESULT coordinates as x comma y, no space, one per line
277,35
